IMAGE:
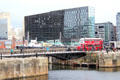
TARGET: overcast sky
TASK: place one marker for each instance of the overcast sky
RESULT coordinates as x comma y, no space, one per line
105,10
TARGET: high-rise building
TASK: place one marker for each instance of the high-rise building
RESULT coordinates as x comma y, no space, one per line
115,37
79,23
4,25
105,31
72,23
46,26
118,26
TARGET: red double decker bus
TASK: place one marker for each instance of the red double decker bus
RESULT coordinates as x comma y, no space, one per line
90,44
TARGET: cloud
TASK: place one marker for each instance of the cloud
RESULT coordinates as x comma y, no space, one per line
105,10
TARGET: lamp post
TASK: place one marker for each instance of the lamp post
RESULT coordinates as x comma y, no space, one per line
23,45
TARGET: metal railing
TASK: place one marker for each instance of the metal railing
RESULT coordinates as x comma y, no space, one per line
36,54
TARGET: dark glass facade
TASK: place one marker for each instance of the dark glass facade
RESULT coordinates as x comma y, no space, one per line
73,23
46,26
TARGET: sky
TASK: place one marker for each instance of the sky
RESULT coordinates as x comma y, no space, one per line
105,10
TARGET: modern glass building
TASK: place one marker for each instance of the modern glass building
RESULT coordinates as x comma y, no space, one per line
79,23
105,31
66,24
4,25
118,26
46,26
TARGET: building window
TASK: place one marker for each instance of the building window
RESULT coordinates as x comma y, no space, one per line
96,32
101,26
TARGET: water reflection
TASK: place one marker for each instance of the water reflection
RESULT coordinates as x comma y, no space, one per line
44,77
109,69
59,67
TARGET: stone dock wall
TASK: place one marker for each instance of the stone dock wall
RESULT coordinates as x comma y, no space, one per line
23,67
110,59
